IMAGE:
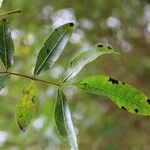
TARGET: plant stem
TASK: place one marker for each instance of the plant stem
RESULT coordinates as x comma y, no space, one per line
9,13
29,77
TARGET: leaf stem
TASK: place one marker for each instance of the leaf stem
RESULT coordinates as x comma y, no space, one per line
11,12
30,77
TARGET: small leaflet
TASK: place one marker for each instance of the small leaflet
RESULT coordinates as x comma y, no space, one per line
26,106
84,58
122,94
63,120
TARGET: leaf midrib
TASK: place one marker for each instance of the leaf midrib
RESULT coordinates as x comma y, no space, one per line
114,94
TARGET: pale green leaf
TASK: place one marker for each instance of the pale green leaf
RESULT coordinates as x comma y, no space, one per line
84,58
122,94
53,47
6,44
26,106
4,80
63,120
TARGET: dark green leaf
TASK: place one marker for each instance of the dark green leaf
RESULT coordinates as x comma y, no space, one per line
4,80
53,47
6,44
124,95
63,120
84,58
25,107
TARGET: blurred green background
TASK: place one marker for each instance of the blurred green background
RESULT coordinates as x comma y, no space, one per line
100,125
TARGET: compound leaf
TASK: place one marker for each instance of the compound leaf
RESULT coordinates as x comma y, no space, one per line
6,44
122,94
53,47
84,58
63,120
26,106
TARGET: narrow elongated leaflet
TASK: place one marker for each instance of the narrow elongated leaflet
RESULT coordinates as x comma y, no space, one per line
63,120
6,44
26,106
84,58
122,94
53,47
4,80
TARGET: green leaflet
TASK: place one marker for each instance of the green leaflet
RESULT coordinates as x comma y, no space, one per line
122,94
84,58
25,107
6,44
4,80
63,120
53,47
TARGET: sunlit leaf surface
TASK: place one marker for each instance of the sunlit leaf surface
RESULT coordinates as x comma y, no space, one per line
63,120
53,47
122,94
84,58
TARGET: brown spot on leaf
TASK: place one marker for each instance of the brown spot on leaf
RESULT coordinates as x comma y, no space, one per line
148,101
85,83
109,47
4,19
122,107
71,24
113,81
47,50
136,110
33,99
99,45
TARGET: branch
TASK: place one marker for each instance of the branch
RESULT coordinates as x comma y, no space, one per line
30,77
11,12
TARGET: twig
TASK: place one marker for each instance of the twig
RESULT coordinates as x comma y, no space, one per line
30,77
11,12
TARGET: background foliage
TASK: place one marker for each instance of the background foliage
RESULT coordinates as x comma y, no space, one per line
99,124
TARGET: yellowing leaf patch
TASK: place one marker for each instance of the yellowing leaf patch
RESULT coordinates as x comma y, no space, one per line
26,106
